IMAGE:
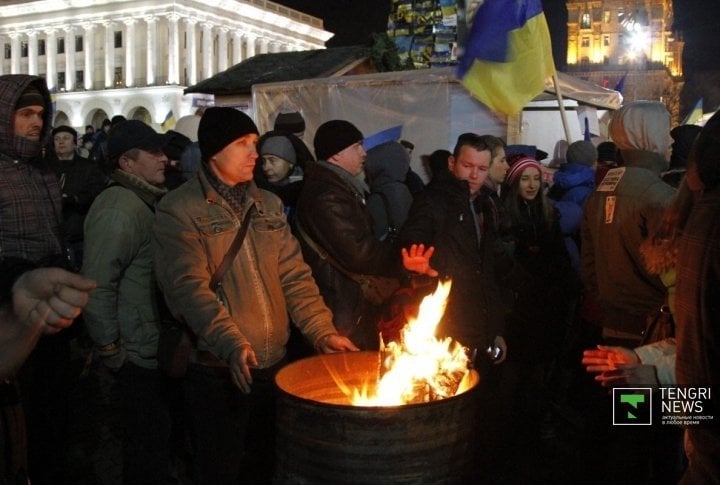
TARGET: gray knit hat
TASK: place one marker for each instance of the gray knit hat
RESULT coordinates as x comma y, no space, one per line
279,146
582,152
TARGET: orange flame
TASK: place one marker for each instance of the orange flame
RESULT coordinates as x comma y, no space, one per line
419,367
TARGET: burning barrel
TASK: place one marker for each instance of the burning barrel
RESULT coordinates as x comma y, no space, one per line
322,438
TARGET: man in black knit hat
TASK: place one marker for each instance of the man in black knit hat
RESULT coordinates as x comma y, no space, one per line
241,325
332,217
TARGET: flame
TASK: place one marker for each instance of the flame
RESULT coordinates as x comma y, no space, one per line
419,367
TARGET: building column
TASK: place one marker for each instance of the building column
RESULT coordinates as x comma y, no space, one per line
207,49
173,75
51,59
264,46
89,49
274,47
69,58
32,53
222,49
14,53
237,53
129,52
109,54
151,24
249,46
191,51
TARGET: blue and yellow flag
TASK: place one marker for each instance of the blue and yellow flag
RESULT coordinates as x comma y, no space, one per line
169,121
695,115
508,54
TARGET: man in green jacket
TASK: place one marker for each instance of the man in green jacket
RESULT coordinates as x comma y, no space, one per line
122,315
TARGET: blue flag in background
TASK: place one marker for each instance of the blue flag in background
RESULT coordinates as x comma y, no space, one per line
620,85
508,54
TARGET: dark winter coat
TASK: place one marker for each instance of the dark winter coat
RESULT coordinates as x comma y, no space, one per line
390,198
80,182
332,212
616,220
443,216
545,288
30,208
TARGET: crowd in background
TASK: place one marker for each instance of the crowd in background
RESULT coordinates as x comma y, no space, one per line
253,250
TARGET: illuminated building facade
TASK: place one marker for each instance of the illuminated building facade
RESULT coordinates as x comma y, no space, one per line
135,57
628,40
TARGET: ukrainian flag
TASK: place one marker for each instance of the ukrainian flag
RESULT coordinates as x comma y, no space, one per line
169,121
508,54
695,115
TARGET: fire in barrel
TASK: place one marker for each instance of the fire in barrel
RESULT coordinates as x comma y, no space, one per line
403,415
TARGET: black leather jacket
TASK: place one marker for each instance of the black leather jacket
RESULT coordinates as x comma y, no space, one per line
333,214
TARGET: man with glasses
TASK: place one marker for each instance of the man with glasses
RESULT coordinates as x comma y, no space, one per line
332,217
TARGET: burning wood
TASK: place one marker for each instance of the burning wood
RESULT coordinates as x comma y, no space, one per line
419,368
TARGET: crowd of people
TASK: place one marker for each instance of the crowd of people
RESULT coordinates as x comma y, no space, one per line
253,250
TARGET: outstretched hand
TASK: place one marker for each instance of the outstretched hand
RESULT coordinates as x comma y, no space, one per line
629,375
417,259
608,358
335,343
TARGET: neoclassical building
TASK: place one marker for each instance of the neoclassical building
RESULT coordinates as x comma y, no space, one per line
134,57
628,44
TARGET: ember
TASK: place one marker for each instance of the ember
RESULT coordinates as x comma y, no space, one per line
420,367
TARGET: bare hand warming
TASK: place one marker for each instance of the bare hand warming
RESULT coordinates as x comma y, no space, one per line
335,343
417,259
240,362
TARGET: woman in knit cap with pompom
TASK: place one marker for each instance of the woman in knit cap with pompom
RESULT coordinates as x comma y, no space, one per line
544,289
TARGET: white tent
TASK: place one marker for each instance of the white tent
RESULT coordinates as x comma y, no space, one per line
430,104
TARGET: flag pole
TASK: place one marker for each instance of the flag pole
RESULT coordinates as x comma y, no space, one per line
563,116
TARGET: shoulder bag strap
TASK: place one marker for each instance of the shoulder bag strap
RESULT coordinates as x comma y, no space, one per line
232,252
324,254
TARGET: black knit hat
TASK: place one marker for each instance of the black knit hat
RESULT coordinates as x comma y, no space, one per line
290,122
220,126
333,137
30,97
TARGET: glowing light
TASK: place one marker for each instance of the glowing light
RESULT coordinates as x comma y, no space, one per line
420,367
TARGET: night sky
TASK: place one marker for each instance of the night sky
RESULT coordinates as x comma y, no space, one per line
353,21
350,20
695,22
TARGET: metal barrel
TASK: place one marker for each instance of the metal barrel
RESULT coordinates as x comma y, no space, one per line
322,438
